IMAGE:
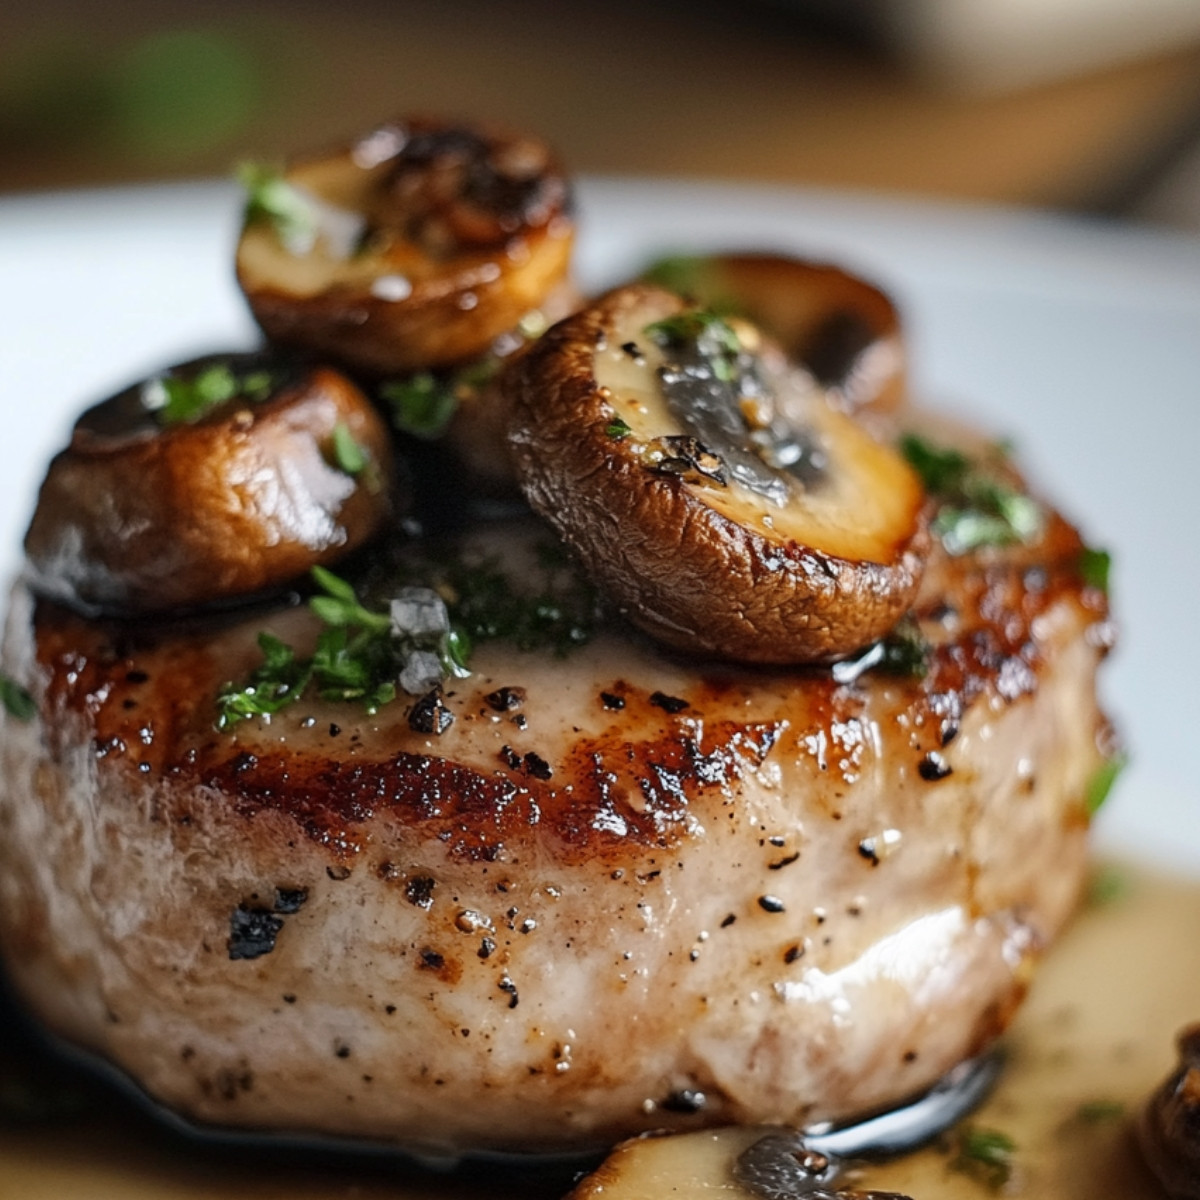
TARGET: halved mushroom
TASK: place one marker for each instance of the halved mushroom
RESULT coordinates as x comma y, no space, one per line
415,247
710,489
843,329
222,477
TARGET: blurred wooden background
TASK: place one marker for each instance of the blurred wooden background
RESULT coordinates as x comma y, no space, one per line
150,89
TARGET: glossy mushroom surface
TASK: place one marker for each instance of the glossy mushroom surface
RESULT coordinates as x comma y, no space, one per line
223,477
415,247
842,328
718,497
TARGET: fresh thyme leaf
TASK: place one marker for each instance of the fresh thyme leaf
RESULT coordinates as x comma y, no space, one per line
985,1154
359,656
1101,782
270,199
617,429
17,701
977,508
348,455
421,404
1094,565
280,681
334,585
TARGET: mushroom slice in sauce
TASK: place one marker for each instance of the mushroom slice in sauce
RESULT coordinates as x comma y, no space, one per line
414,247
843,329
223,477
710,487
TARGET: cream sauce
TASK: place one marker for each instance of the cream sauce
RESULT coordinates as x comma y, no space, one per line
1096,1035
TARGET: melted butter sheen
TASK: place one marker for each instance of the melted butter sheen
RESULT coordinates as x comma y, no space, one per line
1096,1034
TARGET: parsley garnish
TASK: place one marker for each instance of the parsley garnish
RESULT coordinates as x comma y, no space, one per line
421,404
484,603
180,400
272,200
715,340
695,325
360,656
976,507
348,455
985,1154
1101,782
617,429
17,701
1094,566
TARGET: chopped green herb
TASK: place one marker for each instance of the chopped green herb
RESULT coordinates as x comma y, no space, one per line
359,656
182,400
486,606
941,468
977,507
188,400
985,1154
348,455
617,429
421,404
1094,567
695,325
17,701
1096,1111
1101,782
270,199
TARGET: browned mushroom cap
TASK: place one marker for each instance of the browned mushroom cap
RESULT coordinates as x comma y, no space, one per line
1169,1129
413,248
223,477
713,492
843,329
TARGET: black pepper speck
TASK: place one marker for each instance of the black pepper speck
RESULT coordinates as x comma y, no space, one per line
430,714
252,932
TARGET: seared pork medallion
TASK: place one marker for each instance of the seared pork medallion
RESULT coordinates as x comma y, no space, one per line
744,784
565,899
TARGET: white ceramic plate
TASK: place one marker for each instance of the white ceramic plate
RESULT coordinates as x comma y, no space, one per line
1080,340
